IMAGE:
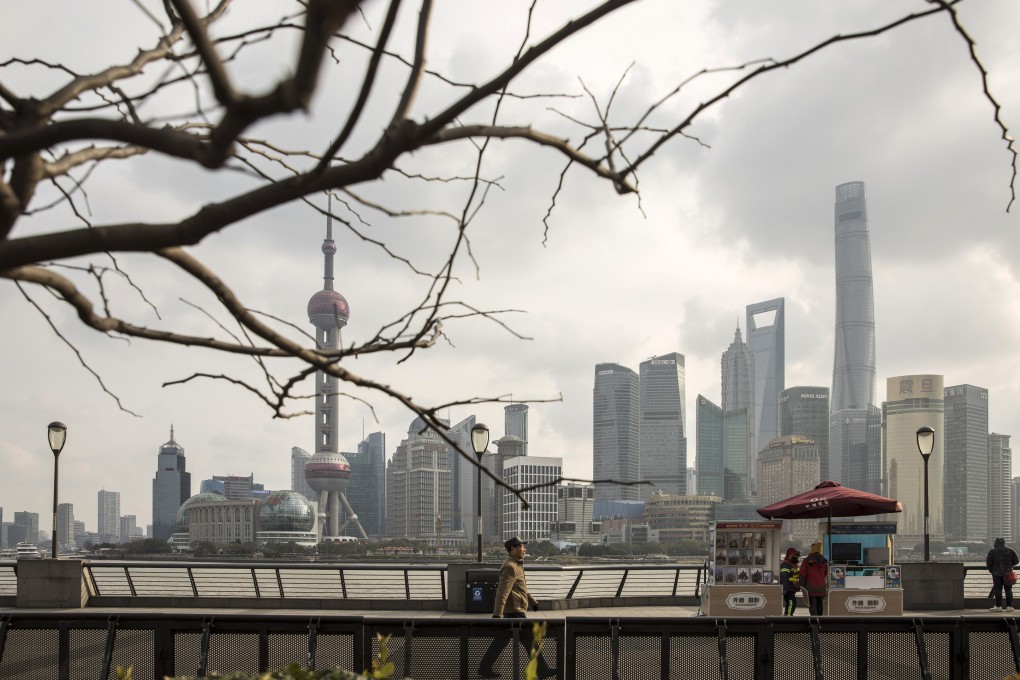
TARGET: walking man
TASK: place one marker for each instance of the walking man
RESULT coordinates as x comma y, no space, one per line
1000,562
512,602
814,576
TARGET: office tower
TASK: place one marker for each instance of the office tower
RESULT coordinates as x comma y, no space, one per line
722,451
789,466
108,523
298,458
854,444
65,527
913,401
328,471
419,485
738,387
575,506
128,525
805,411
515,422
170,488
3,530
966,467
24,529
463,515
533,524
79,533
692,482
662,419
372,455
615,435
766,340
1000,474
234,487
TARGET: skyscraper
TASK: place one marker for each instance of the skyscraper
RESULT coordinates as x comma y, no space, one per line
913,401
535,523
515,422
722,451
370,471
65,527
967,465
108,521
615,435
790,466
737,365
805,411
328,471
854,455
766,339
170,488
419,485
298,458
1000,502
663,425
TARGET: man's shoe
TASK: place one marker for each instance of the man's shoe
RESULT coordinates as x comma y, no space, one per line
547,673
995,609
1007,609
488,673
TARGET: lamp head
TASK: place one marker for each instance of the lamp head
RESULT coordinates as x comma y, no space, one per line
479,439
925,440
56,433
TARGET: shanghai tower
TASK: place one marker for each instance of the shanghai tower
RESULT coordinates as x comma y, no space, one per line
854,420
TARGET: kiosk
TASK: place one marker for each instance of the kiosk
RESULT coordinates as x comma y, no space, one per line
745,570
862,579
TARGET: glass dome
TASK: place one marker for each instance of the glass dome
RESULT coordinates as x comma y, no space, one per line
182,513
286,511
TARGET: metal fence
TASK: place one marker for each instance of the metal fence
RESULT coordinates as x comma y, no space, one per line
85,646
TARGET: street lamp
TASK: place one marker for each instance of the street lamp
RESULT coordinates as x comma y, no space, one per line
479,442
56,433
925,444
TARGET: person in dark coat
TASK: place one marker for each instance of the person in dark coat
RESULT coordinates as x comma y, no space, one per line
814,577
1000,562
789,579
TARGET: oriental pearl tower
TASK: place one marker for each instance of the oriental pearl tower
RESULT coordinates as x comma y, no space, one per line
328,471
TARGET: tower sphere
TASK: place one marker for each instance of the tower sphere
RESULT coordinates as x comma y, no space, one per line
327,471
328,310
182,512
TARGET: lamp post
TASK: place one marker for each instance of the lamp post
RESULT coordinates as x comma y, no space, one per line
479,442
56,433
925,444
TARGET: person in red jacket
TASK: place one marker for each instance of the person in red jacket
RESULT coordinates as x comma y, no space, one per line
814,578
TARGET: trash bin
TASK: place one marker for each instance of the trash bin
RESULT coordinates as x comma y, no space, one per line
480,593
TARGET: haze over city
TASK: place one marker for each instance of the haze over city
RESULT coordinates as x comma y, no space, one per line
745,216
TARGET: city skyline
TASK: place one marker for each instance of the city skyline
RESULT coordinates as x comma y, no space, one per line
748,219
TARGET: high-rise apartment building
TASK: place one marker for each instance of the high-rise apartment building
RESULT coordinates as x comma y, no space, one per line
536,522
766,339
419,485
1000,474
722,451
804,411
65,527
298,458
789,466
615,435
108,521
911,402
663,425
170,488
854,439
515,422
966,468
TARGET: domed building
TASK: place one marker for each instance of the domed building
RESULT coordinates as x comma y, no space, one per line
286,516
181,538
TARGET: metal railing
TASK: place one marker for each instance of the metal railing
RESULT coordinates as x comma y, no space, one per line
83,644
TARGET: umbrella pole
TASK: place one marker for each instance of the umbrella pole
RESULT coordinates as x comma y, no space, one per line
829,532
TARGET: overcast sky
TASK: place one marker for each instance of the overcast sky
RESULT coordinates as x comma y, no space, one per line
743,218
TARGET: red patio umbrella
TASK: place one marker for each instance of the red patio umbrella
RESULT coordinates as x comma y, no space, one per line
830,499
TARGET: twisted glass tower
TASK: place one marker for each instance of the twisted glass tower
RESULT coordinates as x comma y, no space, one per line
854,421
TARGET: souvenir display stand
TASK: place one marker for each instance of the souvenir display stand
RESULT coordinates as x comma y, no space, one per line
862,581
745,570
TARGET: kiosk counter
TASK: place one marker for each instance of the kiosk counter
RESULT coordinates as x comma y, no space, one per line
745,570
